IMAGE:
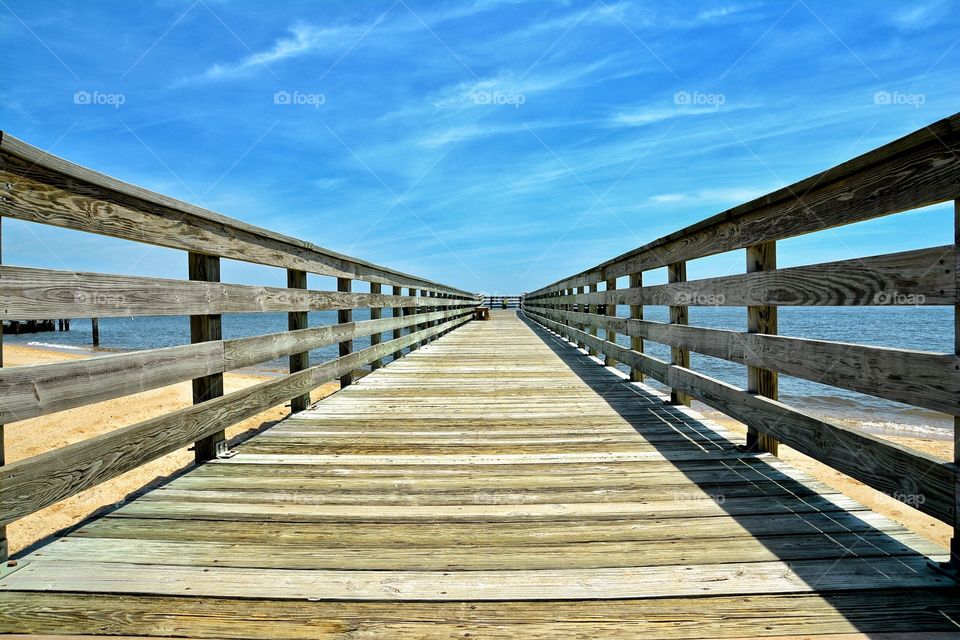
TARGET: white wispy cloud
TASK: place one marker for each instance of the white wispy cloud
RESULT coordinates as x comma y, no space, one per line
730,195
303,39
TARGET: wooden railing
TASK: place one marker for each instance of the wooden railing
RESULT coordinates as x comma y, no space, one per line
500,302
918,170
37,187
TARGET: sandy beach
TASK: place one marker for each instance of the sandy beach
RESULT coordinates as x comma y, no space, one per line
37,435
30,437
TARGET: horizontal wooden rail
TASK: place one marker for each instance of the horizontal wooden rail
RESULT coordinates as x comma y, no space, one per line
911,278
34,390
920,378
29,293
883,465
34,483
38,187
920,169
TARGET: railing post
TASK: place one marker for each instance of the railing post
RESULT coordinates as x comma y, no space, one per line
204,328
375,314
412,311
636,313
592,309
611,309
4,547
955,541
581,308
679,314
95,331
296,320
762,319
397,313
345,285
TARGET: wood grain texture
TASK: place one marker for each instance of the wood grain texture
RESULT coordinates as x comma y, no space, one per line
883,465
43,188
762,319
911,278
48,293
495,483
920,169
31,484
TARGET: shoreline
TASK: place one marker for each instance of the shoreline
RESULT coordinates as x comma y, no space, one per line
27,438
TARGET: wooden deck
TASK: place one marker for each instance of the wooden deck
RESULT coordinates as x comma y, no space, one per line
496,482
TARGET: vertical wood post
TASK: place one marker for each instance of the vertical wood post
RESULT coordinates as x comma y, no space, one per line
582,308
611,309
375,314
592,308
679,314
636,312
95,330
397,313
4,547
762,319
412,311
345,285
204,328
955,541
297,279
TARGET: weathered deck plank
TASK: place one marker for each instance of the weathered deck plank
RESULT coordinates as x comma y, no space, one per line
513,483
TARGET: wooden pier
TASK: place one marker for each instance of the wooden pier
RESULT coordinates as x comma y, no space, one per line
495,481
501,478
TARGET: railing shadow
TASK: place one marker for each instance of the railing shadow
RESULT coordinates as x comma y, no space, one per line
822,542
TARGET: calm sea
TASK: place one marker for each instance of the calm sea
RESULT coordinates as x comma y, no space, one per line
923,328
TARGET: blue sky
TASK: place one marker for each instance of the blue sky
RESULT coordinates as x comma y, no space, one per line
496,146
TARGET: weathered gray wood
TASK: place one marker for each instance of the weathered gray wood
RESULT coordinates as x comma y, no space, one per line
679,315
297,320
762,319
43,188
206,328
345,316
955,540
920,169
375,337
48,293
397,312
923,379
31,484
891,614
910,278
611,310
33,390
636,313
883,465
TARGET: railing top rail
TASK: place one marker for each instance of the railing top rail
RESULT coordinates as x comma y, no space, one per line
93,184
919,169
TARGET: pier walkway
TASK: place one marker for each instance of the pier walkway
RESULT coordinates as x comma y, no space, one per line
496,482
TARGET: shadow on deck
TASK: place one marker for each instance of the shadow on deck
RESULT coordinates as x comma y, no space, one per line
497,482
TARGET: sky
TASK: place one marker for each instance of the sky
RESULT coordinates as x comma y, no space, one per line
495,146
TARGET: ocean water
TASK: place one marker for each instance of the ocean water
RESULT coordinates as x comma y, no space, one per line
922,328
153,332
